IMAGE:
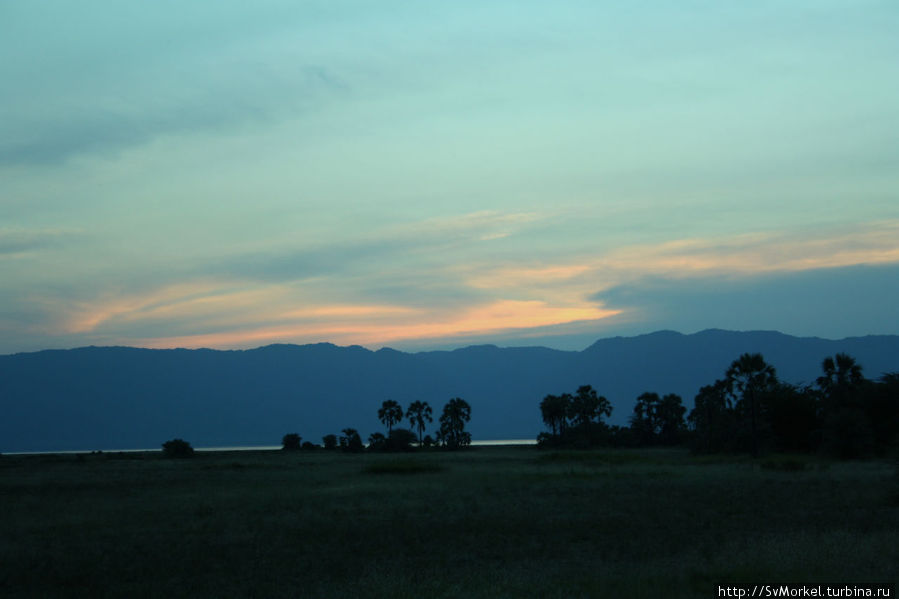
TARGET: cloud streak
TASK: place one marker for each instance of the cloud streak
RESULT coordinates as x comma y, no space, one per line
381,173
343,324
481,299
19,242
71,128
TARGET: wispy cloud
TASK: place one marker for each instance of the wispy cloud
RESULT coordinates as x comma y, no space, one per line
483,298
736,256
17,242
331,324
876,243
390,171
483,225
431,241
54,132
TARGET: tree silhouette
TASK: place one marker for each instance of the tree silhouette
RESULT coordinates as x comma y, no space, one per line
793,415
291,441
350,440
586,406
643,420
575,420
452,423
390,413
377,441
841,379
881,401
418,413
847,427
747,378
712,418
177,448
554,410
400,439
329,441
669,419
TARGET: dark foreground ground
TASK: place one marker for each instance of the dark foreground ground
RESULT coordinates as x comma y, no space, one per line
487,522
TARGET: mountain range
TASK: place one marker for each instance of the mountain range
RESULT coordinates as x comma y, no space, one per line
122,398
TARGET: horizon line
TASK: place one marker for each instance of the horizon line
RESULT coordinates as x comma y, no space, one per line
450,349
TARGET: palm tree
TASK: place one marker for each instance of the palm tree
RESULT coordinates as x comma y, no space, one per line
587,405
452,423
846,427
418,412
842,376
710,417
554,409
390,413
669,417
748,376
644,421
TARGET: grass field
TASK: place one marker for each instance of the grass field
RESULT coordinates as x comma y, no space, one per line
486,522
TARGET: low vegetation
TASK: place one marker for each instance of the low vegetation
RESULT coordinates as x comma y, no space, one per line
487,522
407,466
177,448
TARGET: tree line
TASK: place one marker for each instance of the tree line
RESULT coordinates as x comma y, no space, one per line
749,409
451,433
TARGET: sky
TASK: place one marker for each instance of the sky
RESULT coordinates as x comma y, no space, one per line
426,175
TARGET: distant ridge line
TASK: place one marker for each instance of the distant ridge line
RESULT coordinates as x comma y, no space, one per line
328,344
95,397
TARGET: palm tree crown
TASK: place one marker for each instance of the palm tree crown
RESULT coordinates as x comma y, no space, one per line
390,413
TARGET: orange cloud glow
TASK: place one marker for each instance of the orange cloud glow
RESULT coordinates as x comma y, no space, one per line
503,315
175,301
240,314
737,255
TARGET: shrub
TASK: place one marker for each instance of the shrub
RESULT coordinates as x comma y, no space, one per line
401,439
377,442
329,441
545,440
177,448
351,441
291,441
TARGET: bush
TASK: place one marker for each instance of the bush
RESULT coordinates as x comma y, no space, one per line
329,441
351,441
377,442
545,440
291,441
401,439
177,448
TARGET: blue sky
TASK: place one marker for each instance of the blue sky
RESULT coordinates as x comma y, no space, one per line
423,175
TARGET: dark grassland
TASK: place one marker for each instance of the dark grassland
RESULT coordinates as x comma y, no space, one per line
487,522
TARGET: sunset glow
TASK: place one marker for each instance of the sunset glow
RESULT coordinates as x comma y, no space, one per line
425,177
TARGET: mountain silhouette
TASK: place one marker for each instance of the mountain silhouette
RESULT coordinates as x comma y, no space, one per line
120,397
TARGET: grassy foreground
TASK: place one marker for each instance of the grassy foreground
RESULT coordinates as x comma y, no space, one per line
487,522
